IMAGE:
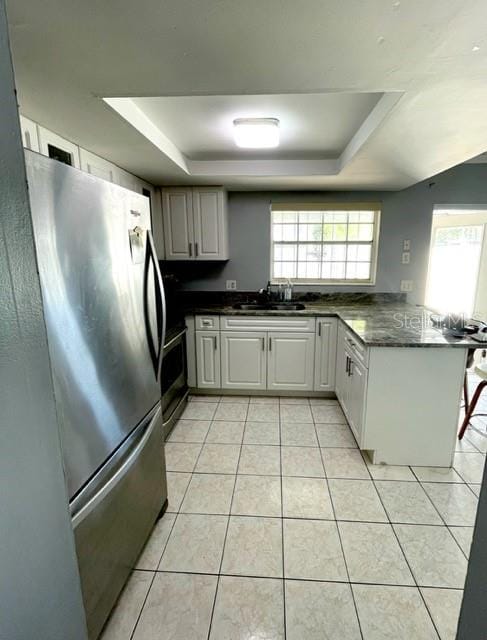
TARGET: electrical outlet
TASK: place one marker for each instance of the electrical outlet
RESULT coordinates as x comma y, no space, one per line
406,256
231,285
406,245
406,285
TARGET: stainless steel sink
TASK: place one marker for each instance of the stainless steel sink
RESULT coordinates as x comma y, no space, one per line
297,306
288,307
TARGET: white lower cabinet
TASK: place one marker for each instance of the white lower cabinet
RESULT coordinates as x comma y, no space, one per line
351,383
358,390
259,353
290,362
325,354
243,360
208,359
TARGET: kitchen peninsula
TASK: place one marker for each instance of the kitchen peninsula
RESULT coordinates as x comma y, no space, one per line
398,380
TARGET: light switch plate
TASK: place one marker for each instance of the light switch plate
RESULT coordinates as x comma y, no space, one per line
406,256
406,285
231,285
406,245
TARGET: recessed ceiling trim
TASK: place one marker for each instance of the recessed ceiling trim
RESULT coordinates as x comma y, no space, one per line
255,167
137,118
284,168
369,125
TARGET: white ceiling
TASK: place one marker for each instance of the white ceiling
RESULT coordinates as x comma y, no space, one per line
430,56
311,125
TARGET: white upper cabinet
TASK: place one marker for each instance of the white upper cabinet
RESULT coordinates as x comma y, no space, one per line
97,166
177,211
30,139
210,224
56,147
195,223
291,361
325,354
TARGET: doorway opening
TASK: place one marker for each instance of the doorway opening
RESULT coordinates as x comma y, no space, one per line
457,273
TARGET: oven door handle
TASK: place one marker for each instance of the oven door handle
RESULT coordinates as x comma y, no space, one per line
172,341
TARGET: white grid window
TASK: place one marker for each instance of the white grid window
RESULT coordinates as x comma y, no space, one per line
330,246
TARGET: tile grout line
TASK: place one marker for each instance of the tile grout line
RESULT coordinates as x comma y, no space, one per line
156,571
407,561
339,536
226,529
282,528
438,511
290,579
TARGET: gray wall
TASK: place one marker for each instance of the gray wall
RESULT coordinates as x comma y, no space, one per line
405,215
40,593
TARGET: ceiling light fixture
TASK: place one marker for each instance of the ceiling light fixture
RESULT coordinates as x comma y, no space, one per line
256,133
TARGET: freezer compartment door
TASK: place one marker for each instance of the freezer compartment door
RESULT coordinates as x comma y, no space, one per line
114,516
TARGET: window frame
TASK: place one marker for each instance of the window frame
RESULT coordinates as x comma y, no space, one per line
330,206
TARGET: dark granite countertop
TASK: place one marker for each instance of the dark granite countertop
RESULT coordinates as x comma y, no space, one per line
375,324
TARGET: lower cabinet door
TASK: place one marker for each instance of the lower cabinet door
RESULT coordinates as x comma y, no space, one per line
290,363
358,390
243,359
208,359
325,354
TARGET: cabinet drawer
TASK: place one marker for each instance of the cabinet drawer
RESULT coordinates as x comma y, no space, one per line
359,350
207,323
268,323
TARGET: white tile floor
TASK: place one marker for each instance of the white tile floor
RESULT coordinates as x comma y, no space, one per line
277,527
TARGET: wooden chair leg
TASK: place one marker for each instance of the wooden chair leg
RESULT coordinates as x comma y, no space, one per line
465,391
471,408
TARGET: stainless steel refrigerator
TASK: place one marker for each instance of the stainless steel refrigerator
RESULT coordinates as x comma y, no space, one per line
105,316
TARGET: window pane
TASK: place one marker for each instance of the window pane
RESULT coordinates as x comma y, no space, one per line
277,232
335,216
285,251
351,270
288,270
310,232
338,270
359,252
309,216
366,231
326,270
284,216
338,252
363,270
361,216
353,232
367,216
309,270
309,252
289,232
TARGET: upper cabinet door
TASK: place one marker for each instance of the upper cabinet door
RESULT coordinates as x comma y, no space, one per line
177,207
53,146
97,166
290,363
325,354
210,223
30,138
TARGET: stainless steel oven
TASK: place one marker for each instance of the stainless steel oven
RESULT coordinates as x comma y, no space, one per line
174,387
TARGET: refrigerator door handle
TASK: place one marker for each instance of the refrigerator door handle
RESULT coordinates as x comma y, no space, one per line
119,474
156,352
